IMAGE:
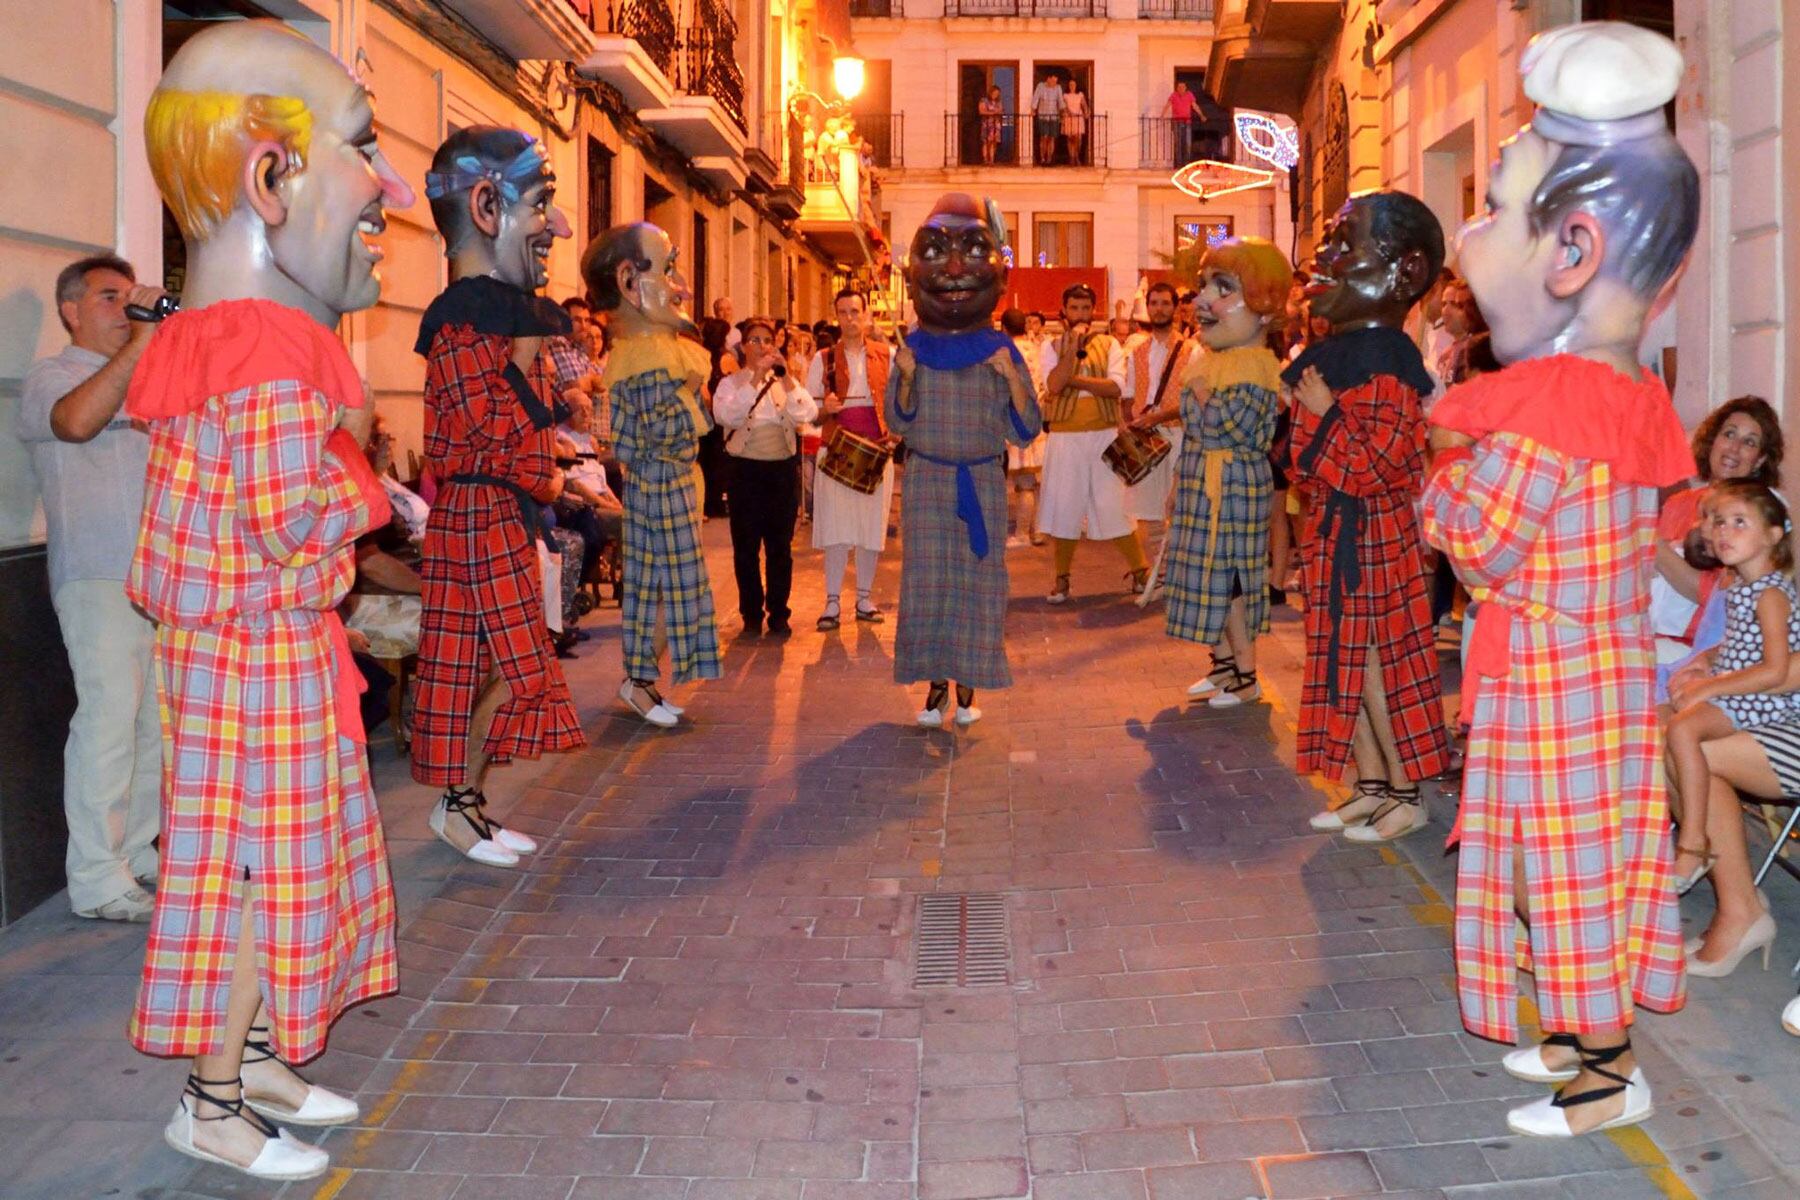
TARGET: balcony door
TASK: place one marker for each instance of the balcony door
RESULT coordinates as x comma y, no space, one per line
974,81
1083,75
874,111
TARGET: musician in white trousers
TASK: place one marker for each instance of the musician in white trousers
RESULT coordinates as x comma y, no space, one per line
850,380
1156,367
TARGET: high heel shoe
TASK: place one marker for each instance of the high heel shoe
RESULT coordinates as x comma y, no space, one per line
1708,860
1760,936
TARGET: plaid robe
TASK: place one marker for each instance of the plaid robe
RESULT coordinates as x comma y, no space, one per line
657,425
253,502
1229,404
952,616
483,602
1564,752
1362,464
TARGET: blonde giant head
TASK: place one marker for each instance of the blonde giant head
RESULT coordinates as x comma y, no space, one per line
263,146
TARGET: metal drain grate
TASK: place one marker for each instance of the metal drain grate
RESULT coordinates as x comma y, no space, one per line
963,941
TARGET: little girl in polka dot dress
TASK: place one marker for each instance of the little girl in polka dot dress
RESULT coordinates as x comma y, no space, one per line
1751,536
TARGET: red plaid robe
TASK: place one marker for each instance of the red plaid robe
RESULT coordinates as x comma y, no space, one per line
1367,451
1557,543
252,505
483,601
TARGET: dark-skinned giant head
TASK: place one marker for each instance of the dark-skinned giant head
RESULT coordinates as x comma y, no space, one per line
493,197
1380,253
955,271
1592,207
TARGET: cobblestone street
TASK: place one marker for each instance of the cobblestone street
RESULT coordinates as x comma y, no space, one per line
702,988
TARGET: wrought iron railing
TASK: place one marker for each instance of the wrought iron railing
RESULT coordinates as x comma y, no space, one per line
650,22
885,133
1175,10
1171,142
1020,140
1024,8
876,8
709,64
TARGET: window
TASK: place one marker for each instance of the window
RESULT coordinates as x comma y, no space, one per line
698,283
971,141
599,183
1190,231
1071,140
1063,240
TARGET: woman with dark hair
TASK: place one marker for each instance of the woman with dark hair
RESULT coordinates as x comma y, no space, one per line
1740,440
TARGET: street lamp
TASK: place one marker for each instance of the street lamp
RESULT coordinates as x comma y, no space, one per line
847,76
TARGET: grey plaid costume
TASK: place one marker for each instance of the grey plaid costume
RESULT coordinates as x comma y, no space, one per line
952,604
664,573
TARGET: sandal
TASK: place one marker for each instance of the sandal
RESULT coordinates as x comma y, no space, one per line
1136,581
1708,860
658,712
1548,1117
1060,593
321,1106
1216,677
871,615
466,803
1396,797
1243,689
1528,1064
966,712
829,619
937,698
282,1156
1369,791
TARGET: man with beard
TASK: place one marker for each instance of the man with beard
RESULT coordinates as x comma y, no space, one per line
959,396
1371,690
656,376
274,910
1159,363
849,378
1084,378
490,689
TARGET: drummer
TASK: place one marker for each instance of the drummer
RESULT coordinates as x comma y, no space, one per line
1159,362
1084,380
851,378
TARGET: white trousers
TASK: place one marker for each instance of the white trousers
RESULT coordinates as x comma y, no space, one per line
1079,489
112,764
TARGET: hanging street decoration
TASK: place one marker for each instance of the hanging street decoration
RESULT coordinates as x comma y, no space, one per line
1267,140
1208,179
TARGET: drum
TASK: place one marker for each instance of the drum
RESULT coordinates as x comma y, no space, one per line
856,462
1135,453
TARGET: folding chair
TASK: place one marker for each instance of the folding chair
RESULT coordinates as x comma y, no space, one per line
1780,844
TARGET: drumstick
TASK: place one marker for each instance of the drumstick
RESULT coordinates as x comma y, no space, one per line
1153,584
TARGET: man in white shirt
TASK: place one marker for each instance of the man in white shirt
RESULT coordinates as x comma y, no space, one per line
851,380
1046,112
1157,363
90,463
1024,464
762,413
1084,380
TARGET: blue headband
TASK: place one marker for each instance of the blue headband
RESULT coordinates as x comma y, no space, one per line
468,170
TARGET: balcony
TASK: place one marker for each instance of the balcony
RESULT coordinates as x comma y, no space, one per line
1267,60
840,213
635,50
1024,8
530,29
1175,10
1011,140
876,9
885,133
1165,143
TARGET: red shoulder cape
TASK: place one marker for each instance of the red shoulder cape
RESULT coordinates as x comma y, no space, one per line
236,344
1580,408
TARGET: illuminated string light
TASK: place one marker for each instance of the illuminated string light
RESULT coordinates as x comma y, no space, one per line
1266,139
1208,179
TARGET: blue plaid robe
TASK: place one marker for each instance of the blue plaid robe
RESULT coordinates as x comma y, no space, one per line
953,604
655,437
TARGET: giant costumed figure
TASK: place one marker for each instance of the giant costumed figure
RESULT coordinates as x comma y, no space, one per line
959,395
274,911
655,375
1371,692
490,688
1544,496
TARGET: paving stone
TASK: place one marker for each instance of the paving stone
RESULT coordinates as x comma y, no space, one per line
973,1180
1205,1181
1328,1175
1432,1166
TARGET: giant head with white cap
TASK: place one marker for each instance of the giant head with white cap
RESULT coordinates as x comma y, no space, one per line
1592,207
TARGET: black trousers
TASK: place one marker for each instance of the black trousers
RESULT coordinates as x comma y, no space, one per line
765,502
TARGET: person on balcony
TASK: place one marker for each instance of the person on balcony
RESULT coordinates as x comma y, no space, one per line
992,110
1074,122
1178,111
1046,112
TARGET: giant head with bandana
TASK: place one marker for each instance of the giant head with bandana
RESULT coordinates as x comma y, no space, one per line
493,197
1593,206
263,146
955,271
